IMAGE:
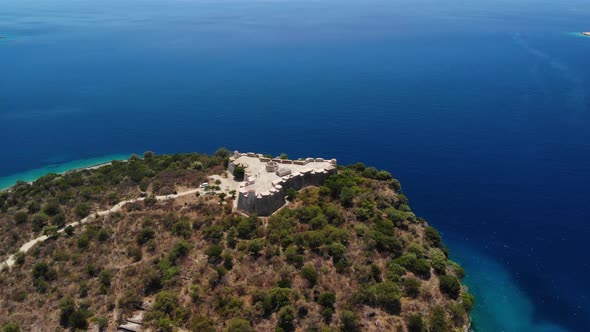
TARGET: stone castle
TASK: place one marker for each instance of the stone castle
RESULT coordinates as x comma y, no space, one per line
267,180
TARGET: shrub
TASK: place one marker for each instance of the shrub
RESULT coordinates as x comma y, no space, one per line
467,300
42,274
238,324
415,323
179,250
11,327
327,299
385,295
433,237
239,173
145,235
83,241
411,287
70,316
52,208
247,227
104,277
134,253
38,221
59,220
395,272
214,253
309,272
286,317
130,301
438,321
278,298
166,303
348,321
450,286
195,293
21,217
292,257
182,228
82,210
103,235
19,258
255,247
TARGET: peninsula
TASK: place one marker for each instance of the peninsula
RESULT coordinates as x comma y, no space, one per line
228,242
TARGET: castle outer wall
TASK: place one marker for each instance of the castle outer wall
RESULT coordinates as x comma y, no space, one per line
265,201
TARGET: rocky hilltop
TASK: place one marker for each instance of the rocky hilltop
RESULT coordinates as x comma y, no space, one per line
143,245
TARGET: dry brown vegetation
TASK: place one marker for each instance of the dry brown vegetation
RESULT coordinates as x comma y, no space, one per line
347,256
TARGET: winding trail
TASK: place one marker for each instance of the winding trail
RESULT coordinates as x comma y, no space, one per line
115,208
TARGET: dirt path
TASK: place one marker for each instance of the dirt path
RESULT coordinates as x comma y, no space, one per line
27,246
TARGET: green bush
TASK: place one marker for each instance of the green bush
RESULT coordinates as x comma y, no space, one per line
327,299
450,286
179,250
165,304
349,321
238,324
21,217
433,237
415,323
467,300
385,295
411,287
438,321
286,317
182,228
310,273
11,327
82,210
38,221
214,253
146,234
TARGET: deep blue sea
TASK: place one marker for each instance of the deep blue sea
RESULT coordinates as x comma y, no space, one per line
481,108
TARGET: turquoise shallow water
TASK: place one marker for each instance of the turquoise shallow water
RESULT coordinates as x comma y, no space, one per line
31,175
500,304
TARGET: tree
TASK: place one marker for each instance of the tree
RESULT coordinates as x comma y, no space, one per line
438,321
348,321
52,208
239,324
327,299
166,302
412,287
146,234
214,253
222,153
450,286
50,231
11,327
82,210
239,173
39,221
415,323
21,217
286,317
309,272
433,236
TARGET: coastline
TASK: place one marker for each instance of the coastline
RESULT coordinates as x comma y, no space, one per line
7,182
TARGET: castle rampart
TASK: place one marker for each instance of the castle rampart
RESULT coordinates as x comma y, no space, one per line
268,180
